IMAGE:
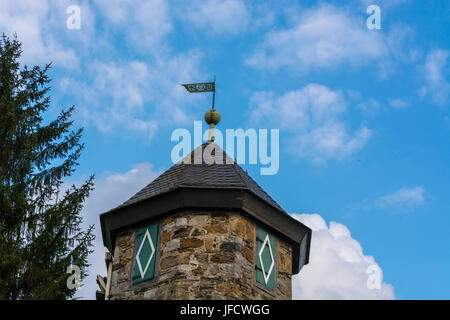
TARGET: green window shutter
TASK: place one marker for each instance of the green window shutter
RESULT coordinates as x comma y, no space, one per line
145,257
266,258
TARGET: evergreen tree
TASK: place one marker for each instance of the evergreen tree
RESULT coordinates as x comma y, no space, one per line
40,235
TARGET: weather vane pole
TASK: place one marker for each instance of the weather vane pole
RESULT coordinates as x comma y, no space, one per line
214,92
212,117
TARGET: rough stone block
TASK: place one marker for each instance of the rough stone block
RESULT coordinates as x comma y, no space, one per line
216,228
203,255
230,246
198,220
180,222
172,245
181,232
186,243
223,257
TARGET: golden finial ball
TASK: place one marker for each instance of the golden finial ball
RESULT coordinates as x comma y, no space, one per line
212,116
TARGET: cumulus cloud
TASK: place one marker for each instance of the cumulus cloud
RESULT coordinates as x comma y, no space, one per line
332,141
111,190
216,17
145,24
115,94
111,94
127,95
384,3
324,37
404,199
327,37
338,267
40,26
313,116
436,73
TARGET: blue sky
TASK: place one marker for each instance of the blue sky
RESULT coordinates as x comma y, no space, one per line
363,116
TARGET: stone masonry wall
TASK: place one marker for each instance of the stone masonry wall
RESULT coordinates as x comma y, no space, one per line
202,255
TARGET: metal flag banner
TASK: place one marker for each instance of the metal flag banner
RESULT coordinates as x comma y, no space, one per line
200,87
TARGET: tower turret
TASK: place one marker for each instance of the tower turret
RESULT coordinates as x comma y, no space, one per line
203,230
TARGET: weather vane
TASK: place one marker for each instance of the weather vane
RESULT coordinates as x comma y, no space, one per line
212,116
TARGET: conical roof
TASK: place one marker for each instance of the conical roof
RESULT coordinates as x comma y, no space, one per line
207,179
194,172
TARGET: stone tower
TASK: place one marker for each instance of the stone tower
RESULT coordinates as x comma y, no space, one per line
202,230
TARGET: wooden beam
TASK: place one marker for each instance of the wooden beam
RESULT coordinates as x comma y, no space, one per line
101,283
109,263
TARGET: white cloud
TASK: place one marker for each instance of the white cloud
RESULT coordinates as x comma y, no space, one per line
145,24
110,190
401,43
406,199
436,73
397,103
38,30
136,95
338,266
403,199
368,106
384,3
112,94
312,115
41,26
216,17
325,37
332,141
128,94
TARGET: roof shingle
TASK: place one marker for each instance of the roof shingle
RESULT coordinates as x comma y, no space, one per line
194,172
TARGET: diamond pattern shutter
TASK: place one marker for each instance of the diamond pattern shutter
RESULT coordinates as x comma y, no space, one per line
145,257
266,258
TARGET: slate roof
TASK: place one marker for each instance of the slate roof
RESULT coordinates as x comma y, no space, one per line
198,174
